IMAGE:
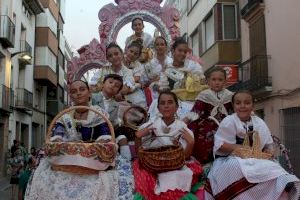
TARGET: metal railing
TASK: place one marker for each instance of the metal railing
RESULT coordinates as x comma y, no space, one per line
6,98
25,47
24,99
7,31
253,74
250,6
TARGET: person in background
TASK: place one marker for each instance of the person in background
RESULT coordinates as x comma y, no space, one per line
25,176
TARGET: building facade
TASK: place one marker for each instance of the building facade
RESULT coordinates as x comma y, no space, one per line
213,30
33,88
270,66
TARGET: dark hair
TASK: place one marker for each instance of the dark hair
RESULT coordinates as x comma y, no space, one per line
242,92
115,77
167,92
113,45
161,37
178,41
87,85
138,44
136,18
216,69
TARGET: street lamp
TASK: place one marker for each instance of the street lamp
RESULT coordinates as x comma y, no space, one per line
24,55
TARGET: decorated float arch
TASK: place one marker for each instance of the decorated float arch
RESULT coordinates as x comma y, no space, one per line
113,17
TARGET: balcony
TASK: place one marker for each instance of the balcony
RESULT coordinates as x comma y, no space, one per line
34,6
54,107
250,7
6,98
254,76
216,54
24,99
7,32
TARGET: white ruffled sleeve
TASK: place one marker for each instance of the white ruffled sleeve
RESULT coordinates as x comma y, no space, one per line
226,133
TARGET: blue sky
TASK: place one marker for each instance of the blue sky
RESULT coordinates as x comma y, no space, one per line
81,23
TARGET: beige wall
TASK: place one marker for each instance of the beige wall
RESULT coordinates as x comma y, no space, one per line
283,45
283,42
272,109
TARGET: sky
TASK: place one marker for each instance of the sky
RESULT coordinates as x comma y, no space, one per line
81,23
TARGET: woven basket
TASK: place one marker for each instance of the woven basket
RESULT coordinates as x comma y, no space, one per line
251,152
162,159
80,157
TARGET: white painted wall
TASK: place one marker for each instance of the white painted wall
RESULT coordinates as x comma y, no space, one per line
198,13
46,19
44,56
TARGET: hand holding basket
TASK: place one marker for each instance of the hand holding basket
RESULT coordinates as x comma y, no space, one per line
254,151
81,157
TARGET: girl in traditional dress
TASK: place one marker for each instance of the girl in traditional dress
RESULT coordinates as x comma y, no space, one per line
173,184
176,75
158,64
52,185
211,106
114,55
232,177
133,52
137,25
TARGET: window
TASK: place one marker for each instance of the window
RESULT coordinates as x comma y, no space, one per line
208,31
195,43
229,22
290,129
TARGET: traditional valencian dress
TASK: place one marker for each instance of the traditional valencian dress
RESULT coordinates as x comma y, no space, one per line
174,78
146,37
167,185
247,179
210,107
138,96
48,184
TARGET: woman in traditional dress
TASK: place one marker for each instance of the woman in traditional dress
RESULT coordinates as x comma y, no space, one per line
83,125
171,184
233,177
114,55
137,25
131,60
176,75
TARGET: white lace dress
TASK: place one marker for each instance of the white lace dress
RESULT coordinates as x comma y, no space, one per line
47,184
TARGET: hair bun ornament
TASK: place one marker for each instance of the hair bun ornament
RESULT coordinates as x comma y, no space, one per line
137,17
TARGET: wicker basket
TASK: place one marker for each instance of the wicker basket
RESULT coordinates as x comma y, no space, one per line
81,157
162,159
251,152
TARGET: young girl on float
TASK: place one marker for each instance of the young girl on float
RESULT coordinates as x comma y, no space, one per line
211,106
114,55
157,64
173,184
85,125
137,25
177,75
133,52
234,177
